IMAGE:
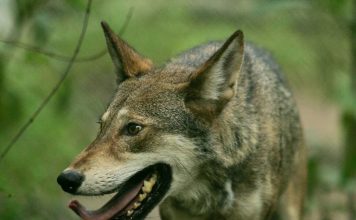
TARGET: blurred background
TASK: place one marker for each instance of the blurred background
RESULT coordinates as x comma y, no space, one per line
314,41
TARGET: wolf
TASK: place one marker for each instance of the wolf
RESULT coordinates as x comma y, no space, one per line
214,133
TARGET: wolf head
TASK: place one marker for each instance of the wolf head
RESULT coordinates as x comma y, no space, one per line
156,129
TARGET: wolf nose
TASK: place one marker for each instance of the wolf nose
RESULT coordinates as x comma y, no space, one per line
70,181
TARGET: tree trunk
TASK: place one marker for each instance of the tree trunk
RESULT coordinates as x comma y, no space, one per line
349,114
353,49
2,87
349,123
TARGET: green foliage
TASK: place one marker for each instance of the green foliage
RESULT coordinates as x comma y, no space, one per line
313,175
76,4
349,166
41,28
336,7
25,9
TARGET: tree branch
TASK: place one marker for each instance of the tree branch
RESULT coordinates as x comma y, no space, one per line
65,58
55,88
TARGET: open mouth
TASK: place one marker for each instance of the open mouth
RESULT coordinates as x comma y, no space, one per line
135,198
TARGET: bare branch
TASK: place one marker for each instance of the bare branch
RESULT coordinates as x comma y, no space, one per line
56,87
65,58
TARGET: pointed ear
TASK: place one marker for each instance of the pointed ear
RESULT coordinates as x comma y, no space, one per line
216,80
127,61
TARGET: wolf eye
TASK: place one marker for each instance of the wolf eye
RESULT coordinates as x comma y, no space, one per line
133,128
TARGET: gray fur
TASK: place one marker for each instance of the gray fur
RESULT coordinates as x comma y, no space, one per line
244,159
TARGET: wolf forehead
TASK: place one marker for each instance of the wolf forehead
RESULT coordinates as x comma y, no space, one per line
160,88
147,97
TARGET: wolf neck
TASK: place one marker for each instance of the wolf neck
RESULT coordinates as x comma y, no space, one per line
212,190
205,197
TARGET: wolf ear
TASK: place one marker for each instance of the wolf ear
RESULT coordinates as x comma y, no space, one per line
215,81
127,61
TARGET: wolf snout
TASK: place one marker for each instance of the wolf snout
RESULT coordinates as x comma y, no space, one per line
70,180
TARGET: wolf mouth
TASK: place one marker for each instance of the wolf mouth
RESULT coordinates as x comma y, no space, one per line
135,198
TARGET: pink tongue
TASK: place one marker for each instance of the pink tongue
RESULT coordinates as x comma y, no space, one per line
110,209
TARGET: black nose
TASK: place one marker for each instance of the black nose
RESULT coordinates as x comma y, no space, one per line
70,181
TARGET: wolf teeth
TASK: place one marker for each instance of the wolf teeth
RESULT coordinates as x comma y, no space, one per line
148,184
142,196
153,179
136,205
129,212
